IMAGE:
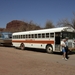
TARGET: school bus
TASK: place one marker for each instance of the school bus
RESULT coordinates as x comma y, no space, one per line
48,39
6,38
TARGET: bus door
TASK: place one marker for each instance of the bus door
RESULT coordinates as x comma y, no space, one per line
57,41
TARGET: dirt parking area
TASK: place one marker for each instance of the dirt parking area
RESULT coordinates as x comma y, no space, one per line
30,62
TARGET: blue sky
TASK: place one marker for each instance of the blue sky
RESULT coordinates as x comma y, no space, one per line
38,11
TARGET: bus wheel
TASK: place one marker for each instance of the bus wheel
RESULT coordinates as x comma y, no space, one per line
49,49
22,47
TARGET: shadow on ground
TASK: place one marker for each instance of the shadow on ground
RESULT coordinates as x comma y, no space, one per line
36,50
44,51
41,50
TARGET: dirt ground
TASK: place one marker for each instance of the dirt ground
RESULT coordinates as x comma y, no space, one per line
34,62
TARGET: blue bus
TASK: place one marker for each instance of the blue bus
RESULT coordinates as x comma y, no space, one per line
6,38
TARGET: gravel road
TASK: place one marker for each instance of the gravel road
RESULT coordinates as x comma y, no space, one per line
34,62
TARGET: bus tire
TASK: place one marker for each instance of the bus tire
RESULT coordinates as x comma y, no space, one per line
49,49
22,47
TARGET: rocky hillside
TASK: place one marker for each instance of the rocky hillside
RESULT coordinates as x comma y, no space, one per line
2,29
16,25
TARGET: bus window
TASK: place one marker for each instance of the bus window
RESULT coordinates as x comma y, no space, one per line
47,35
67,34
29,36
10,35
26,36
39,35
51,34
18,36
43,35
32,36
23,36
13,37
64,35
35,35
6,36
57,34
70,35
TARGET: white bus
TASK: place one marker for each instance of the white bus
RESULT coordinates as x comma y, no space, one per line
48,39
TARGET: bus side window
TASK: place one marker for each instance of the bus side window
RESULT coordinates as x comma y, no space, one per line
23,36
32,35
47,35
39,35
16,36
43,35
26,36
29,36
13,37
19,36
35,35
51,34
10,35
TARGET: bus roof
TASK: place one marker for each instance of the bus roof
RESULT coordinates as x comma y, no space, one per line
68,29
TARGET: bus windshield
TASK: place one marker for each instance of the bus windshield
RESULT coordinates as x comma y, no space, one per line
70,35
7,36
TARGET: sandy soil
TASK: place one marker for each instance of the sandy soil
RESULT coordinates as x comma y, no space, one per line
30,62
